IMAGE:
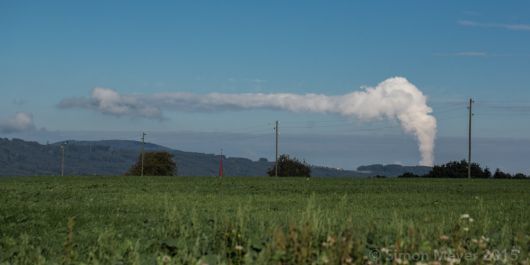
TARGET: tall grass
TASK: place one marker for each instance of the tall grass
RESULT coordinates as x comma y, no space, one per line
263,221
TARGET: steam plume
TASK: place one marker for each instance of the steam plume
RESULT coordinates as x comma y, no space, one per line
394,98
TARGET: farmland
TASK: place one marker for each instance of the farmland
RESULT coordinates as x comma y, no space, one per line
200,220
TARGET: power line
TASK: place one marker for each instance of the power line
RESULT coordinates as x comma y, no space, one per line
243,137
437,112
309,124
251,128
452,117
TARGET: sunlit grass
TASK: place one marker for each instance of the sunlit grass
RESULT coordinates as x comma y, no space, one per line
165,220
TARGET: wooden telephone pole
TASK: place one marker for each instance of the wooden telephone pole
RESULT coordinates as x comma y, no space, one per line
276,163
221,167
470,107
143,143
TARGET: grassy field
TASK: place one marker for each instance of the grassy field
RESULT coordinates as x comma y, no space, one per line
179,220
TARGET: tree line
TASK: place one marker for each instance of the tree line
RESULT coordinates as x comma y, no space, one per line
162,164
459,169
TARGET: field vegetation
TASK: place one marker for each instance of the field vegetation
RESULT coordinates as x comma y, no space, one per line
199,220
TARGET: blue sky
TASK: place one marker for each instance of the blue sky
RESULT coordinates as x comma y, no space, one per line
451,50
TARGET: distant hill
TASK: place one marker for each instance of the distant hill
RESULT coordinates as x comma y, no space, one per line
114,157
393,170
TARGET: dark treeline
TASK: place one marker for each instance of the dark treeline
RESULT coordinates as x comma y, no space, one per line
455,169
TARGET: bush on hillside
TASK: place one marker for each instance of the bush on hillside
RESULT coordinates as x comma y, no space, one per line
155,164
290,167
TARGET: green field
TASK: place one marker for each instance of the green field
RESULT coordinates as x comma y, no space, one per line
192,220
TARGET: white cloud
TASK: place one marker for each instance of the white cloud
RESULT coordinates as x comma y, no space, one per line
514,27
19,122
395,98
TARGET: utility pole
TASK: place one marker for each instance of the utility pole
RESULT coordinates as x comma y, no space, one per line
221,165
62,160
143,143
276,163
470,107
62,157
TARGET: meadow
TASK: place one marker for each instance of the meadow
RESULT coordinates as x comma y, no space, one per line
201,220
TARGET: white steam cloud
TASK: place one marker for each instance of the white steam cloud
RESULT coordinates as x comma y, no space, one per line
394,98
20,122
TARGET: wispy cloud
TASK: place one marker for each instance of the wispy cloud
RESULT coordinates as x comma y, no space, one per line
20,122
108,101
480,54
514,27
19,102
471,54
464,54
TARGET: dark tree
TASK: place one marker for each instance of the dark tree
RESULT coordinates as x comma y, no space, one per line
456,169
155,164
520,176
290,167
487,173
501,175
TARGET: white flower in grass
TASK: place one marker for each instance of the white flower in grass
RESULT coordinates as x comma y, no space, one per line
465,216
452,260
